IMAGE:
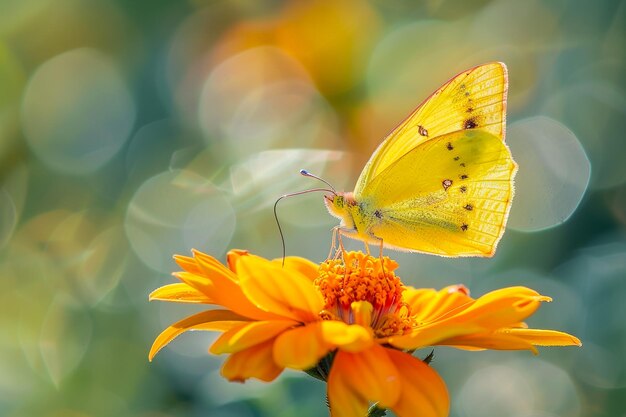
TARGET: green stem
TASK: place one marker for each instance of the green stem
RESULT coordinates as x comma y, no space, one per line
374,411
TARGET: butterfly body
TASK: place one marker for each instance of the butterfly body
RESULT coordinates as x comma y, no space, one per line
442,181
358,218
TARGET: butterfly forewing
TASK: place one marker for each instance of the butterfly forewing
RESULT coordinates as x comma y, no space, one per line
449,196
474,99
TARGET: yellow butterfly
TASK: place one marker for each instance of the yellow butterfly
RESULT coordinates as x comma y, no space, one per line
442,181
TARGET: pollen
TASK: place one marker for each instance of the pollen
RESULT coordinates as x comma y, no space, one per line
364,278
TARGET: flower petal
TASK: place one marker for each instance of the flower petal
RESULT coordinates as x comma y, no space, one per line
345,403
429,305
495,310
304,266
514,339
348,337
254,362
292,263
495,341
219,284
225,292
302,347
362,312
188,264
181,293
203,260
503,307
249,334
284,292
357,378
207,320
417,298
540,337
233,256
423,392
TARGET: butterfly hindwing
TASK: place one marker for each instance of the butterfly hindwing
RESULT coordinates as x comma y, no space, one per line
449,196
474,99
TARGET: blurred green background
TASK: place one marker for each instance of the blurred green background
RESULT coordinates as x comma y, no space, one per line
133,130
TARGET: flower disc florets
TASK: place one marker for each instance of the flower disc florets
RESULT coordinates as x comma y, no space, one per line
359,280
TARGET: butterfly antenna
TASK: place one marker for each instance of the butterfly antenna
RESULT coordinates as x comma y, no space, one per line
306,173
280,230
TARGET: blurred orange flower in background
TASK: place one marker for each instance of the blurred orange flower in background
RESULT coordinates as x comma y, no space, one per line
332,40
350,322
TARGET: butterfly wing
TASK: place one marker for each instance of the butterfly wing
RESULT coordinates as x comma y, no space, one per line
448,196
474,99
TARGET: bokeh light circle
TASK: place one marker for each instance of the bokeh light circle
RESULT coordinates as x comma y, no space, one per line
515,24
152,147
13,14
257,181
102,264
77,111
273,106
553,173
64,340
597,275
595,110
8,217
12,80
174,212
400,74
519,388
508,392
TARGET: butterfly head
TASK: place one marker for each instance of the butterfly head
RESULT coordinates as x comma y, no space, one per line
339,205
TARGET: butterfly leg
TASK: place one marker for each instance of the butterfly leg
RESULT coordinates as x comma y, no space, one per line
380,249
333,242
341,231
342,250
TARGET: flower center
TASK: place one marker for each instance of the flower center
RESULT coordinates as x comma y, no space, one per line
357,279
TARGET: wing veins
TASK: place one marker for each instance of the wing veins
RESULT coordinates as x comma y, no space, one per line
418,222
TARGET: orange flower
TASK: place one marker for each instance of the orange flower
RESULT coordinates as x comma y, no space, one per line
348,321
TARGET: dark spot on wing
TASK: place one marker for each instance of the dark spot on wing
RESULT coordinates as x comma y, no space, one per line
378,214
463,188
463,177
464,227
462,164
470,123
456,158
467,93
446,184
470,109
449,146
468,207
422,130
